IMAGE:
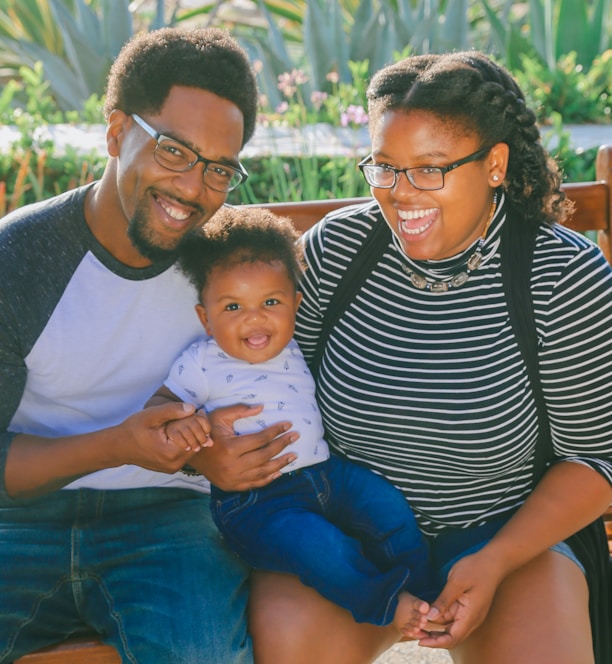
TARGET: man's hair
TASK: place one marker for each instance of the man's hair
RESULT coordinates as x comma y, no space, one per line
152,63
237,235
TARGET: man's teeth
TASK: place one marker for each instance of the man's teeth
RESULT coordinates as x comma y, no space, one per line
179,215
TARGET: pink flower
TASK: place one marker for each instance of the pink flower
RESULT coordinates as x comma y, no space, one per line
354,115
289,81
317,98
283,107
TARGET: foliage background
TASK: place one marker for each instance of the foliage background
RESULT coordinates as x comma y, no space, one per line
314,59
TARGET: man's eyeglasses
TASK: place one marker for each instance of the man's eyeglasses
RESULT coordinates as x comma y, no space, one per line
428,178
176,156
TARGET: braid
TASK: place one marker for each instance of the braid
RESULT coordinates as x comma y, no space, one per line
471,92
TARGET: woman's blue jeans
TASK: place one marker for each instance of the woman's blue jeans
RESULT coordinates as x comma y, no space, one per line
146,568
341,528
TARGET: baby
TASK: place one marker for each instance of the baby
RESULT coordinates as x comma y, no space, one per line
341,528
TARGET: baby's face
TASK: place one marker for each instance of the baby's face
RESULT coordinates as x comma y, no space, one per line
250,309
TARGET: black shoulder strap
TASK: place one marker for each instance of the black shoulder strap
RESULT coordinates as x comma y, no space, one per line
517,250
368,255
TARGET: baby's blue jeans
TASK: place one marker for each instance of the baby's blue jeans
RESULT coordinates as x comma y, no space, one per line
341,528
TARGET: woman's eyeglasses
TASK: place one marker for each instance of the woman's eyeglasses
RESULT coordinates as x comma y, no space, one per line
382,176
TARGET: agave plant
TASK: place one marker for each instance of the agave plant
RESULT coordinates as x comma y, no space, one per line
76,41
551,29
324,36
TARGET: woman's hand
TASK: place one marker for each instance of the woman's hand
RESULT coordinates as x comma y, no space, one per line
238,463
464,602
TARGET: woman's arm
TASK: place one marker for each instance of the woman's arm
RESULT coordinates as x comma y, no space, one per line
568,498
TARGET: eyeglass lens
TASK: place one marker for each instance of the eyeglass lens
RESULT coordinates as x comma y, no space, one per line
428,177
178,157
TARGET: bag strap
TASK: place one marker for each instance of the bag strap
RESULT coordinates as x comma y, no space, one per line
355,275
517,251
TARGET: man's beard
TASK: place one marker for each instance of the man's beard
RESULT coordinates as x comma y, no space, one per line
144,240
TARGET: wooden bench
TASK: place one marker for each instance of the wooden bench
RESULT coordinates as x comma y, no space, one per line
593,213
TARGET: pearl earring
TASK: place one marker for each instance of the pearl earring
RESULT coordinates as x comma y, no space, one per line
495,178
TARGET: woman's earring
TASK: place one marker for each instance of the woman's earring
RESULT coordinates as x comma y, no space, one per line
495,178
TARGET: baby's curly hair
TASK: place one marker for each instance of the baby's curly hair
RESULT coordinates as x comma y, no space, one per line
236,235
470,92
152,63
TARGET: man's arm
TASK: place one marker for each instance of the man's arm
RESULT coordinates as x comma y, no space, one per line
36,465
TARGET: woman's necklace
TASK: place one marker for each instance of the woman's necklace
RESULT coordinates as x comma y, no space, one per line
472,263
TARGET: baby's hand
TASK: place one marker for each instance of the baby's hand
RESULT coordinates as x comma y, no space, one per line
191,433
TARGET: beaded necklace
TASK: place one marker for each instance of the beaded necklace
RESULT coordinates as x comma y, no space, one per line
472,263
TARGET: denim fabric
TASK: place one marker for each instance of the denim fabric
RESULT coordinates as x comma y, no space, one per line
341,528
455,543
146,568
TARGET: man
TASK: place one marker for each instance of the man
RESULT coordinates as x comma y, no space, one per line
99,525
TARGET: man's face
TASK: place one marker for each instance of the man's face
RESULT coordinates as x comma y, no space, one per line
161,206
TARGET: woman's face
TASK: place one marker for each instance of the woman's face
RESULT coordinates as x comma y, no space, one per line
441,223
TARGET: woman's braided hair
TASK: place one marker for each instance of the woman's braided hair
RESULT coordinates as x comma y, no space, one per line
471,93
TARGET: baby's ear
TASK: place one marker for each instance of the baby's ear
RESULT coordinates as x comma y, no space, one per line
201,312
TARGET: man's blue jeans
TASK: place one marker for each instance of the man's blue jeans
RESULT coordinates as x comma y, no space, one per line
146,568
341,528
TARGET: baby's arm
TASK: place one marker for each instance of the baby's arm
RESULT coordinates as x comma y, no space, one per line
192,433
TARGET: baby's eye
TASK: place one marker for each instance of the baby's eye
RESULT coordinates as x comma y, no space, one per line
271,302
233,306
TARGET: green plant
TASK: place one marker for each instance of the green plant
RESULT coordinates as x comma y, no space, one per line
299,178
343,106
320,37
577,165
75,40
550,29
28,175
567,89
28,102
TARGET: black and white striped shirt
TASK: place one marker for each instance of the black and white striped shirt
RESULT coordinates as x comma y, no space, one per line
430,389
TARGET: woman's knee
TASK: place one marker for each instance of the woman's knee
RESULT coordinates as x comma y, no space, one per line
540,614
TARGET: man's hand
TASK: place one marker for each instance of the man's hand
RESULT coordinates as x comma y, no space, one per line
238,463
162,438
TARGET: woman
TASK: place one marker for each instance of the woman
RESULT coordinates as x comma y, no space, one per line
422,379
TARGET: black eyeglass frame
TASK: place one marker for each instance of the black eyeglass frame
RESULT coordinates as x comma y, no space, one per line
158,137
443,170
